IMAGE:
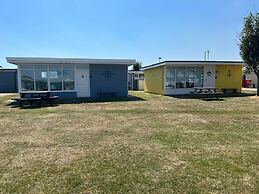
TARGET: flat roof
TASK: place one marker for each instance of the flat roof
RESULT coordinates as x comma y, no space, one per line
192,63
43,60
132,71
11,70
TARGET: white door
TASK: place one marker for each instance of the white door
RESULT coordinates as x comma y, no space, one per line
83,81
140,84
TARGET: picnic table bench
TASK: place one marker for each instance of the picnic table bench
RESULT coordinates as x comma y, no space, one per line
35,96
206,92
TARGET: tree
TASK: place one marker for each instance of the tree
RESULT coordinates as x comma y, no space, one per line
137,66
249,45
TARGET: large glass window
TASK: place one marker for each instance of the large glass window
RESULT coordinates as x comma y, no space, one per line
41,77
170,77
55,78
190,77
68,79
27,79
184,77
44,78
180,77
199,77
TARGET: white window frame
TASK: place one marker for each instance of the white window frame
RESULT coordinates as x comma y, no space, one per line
185,68
74,69
136,76
33,68
20,79
61,81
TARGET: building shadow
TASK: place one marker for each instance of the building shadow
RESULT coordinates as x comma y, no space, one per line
220,97
188,97
36,105
99,100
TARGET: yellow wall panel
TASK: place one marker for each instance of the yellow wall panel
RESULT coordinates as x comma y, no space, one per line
154,80
229,77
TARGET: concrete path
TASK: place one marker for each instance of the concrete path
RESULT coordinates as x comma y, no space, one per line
249,90
7,94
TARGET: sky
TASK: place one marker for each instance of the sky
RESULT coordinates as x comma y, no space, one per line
130,29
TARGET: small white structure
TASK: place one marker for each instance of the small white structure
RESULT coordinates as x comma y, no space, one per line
251,76
136,80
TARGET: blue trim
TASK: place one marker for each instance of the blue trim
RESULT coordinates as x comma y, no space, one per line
65,94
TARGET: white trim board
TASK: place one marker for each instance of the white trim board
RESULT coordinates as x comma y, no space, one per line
38,60
194,63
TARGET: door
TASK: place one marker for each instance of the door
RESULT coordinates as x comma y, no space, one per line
141,84
83,81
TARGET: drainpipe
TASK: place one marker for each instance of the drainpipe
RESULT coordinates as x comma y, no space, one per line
132,83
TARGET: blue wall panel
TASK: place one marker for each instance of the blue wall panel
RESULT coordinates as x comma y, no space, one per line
64,94
8,81
108,79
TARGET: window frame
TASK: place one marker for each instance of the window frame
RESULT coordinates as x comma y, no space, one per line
202,76
136,76
32,67
61,69
174,75
192,77
74,76
20,79
185,76
37,79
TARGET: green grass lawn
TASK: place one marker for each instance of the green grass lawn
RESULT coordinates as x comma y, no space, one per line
154,145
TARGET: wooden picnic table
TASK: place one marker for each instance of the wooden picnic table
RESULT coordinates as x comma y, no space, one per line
204,90
33,96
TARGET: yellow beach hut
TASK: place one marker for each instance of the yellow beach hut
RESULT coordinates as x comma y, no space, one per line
181,77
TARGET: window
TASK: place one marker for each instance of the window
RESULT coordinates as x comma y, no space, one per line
184,77
141,76
180,77
44,78
55,79
199,77
27,79
138,76
170,78
41,78
68,79
190,77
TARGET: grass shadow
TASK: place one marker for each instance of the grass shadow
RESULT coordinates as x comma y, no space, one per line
99,100
212,98
15,104
185,97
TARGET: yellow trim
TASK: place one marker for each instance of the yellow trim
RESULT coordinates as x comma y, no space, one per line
154,80
229,77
